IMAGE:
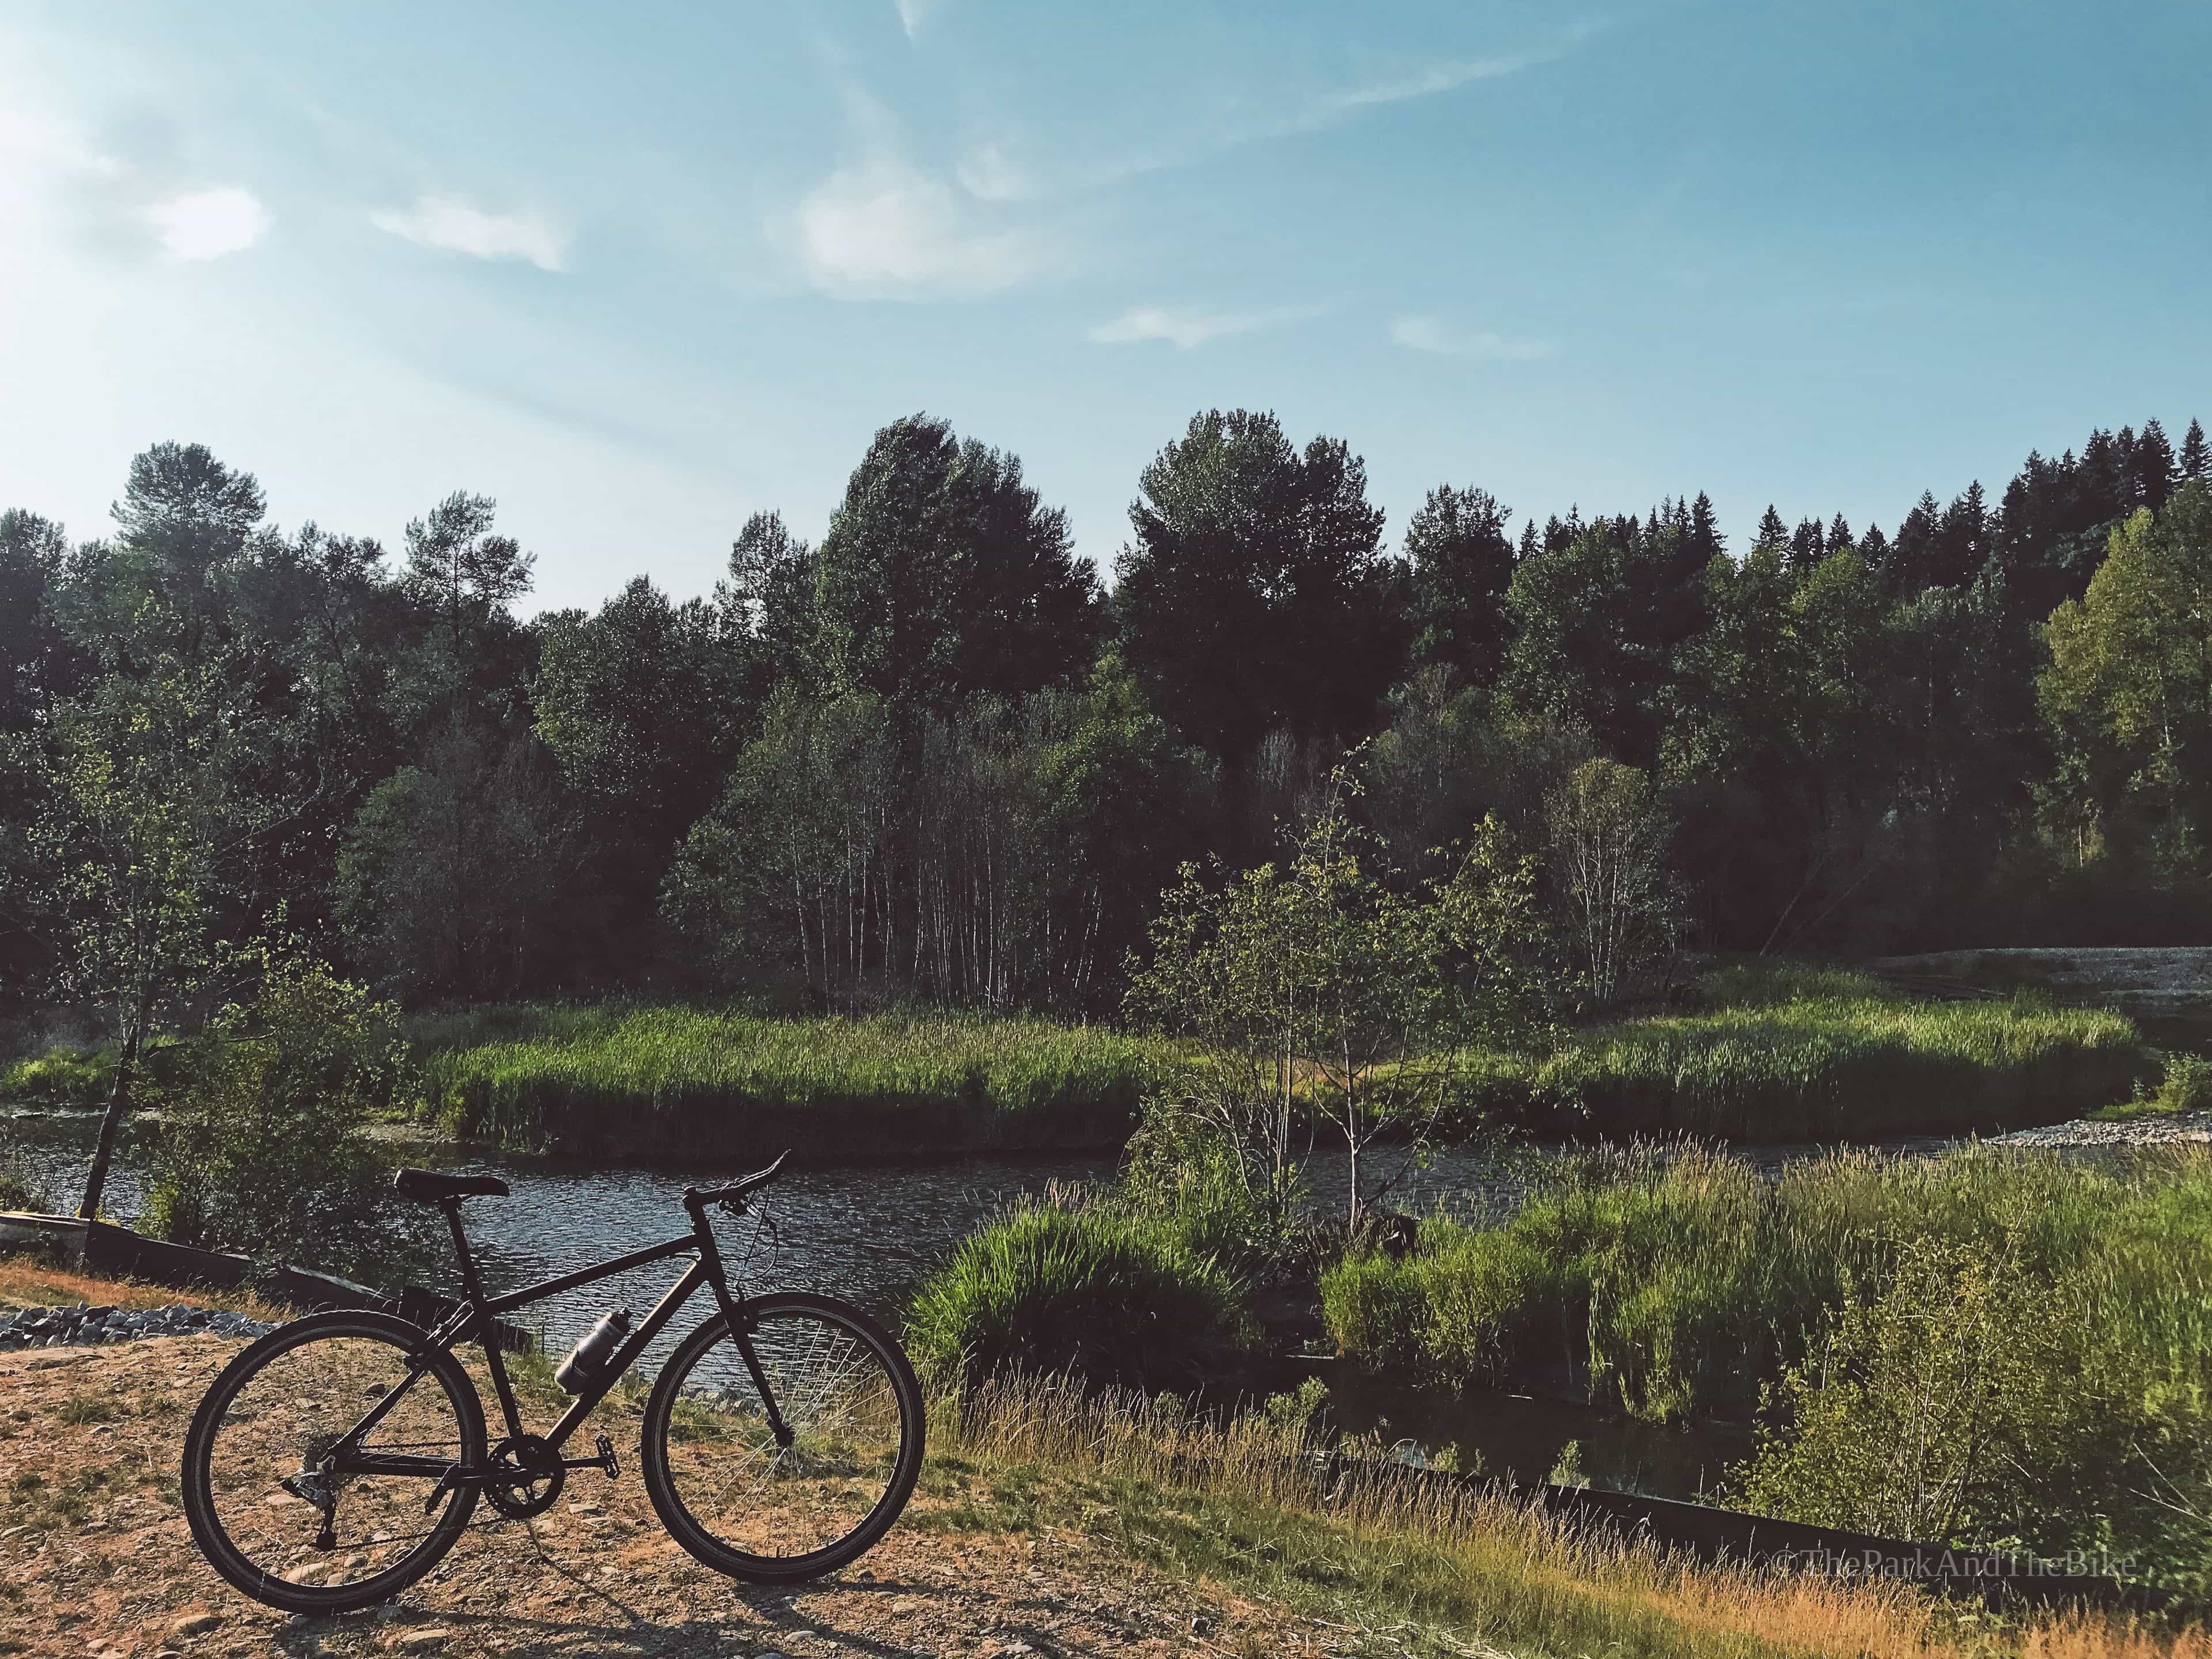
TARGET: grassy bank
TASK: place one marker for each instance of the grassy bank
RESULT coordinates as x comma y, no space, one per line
1768,1052
1397,1567
676,1082
2038,1326
1790,1052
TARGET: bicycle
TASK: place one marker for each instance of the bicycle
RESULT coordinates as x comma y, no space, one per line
337,1459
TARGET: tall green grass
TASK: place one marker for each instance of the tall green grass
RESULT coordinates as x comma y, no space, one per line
679,1082
1679,1281
1792,1052
2073,1299
1080,1288
1774,1052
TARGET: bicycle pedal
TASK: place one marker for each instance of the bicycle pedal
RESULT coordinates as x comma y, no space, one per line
606,1450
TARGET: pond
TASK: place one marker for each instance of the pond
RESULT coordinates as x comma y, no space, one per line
870,1233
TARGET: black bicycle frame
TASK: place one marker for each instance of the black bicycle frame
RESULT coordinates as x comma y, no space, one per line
476,1319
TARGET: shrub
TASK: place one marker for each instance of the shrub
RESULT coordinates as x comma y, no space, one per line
261,1151
1682,1281
1082,1288
64,1078
1976,1397
18,1186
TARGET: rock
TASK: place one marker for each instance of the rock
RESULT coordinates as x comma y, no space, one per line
429,1638
198,1622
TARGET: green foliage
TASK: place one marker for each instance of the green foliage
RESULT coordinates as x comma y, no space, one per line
64,1077
455,876
662,1081
2186,1088
1795,1052
1184,1170
1079,1287
1609,872
943,576
1316,987
1992,1388
1254,596
643,706
1461,563
1003,856
19,1187
2128,692
1682,1283
261,1150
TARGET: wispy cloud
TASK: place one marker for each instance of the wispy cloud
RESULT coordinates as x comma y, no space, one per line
446,222
884,229
1187,328
1424,83
1434,334
913,14
207,224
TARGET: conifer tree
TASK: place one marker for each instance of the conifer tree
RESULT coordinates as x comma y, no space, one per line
1772,533
1808,546
2196,459
1704,528
2155,471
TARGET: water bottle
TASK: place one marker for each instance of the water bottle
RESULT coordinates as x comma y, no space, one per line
581,1369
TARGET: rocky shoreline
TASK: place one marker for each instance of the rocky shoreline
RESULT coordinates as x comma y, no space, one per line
85,1326
2149,1129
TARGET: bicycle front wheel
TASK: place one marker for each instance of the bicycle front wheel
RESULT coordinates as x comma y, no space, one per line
290,1518
771,1513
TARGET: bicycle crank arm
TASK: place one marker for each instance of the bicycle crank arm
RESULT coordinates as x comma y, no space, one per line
603,1458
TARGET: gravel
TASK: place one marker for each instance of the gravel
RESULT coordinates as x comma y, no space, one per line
84,1325
2146,1130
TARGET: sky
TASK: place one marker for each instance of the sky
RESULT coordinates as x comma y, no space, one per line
639,271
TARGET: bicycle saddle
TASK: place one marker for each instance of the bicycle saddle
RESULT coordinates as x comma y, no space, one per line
428,1187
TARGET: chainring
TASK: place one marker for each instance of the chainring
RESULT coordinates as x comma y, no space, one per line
527,1476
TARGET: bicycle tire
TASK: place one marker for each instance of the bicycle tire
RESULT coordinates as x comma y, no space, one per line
774,1318
205,1506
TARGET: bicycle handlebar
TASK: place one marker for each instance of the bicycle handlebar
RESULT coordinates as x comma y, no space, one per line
735,1192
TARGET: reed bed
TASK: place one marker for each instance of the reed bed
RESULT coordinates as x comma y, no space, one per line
1682,1281
682,1082
1249,1496
1796,1052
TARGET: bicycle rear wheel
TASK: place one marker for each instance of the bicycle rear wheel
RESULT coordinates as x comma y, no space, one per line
768,1513
269,1506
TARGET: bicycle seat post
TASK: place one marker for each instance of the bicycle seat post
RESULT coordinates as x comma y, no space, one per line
470,1288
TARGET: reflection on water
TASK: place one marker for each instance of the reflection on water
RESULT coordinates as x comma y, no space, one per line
1526,1438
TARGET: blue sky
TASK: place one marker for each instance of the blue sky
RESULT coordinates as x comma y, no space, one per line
639,271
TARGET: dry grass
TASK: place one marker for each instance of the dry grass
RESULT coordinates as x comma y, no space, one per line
31,1281
1463,1566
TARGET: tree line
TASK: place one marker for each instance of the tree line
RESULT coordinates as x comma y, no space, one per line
931,756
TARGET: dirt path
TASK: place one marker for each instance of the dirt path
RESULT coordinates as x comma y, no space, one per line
96,1562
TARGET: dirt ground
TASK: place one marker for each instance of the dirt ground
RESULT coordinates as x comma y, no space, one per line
96,1562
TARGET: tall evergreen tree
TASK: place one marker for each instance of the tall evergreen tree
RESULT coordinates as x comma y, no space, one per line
2196,456
1772,533
1705,529
1808,546
2156,472
1461,563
